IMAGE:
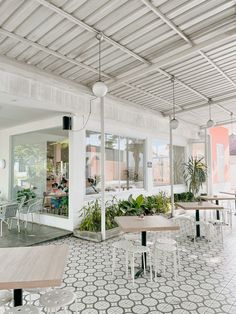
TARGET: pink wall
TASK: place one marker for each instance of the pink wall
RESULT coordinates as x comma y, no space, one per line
220,154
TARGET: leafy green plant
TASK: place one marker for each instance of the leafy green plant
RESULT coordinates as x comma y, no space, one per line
149,205
132,206
64,205
156,204
195,174
184,197
27,193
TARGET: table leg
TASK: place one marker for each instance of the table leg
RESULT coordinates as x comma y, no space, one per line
143,242
18,297
197,223
217,211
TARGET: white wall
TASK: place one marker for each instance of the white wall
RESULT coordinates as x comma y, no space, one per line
121,118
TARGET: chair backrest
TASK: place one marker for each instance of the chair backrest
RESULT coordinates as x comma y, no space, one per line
36,206
21,202
11,210
186,224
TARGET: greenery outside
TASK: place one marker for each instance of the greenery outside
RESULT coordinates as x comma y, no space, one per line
141,205
195,174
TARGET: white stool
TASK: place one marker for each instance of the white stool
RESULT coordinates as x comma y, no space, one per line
25,309
5,298
35,291
56,299
123,245
165,249
140,249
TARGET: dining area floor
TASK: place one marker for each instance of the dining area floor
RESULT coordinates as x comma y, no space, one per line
33,234
206,281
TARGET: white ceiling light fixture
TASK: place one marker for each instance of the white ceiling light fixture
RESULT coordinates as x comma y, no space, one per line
174,123
99,88
210,122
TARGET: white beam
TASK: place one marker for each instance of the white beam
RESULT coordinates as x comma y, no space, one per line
214,102
177,57
165,19
49,51
217,68
91,29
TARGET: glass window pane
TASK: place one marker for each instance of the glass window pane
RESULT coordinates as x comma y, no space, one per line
135,162
93,158
112,177
178,160
161,163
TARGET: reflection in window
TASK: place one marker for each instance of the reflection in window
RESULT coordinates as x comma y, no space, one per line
123,163
41,164
161,163
178,160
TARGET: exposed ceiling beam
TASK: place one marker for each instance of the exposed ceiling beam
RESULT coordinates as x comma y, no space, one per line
219,123
165,19
91,29
50,51
189,108
177,57
217,68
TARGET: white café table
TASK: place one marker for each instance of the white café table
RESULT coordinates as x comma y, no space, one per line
218,198
31,267
199,206
147,223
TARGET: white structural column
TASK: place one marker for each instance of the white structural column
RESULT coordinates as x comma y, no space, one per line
171,172
103,208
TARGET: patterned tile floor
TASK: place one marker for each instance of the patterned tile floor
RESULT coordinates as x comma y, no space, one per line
206,281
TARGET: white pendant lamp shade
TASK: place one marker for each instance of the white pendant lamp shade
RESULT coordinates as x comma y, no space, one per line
210,123
174,123
99,89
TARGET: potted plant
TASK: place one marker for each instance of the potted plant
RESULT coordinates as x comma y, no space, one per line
195,174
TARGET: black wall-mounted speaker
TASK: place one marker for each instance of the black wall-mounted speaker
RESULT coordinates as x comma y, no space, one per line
66,123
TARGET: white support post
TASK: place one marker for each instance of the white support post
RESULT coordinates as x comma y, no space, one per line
103,208
171,172
206,160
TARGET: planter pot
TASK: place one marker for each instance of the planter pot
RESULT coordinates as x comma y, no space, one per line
97,236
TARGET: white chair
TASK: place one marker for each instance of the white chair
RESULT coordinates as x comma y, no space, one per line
163,250
5,298
53,300
187,227
7,212
36,291
214,231
35,206
140,250
122,245
25,309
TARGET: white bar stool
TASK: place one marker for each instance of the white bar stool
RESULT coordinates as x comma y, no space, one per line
53,300
165,249
122,245
25,309
140,249
5,298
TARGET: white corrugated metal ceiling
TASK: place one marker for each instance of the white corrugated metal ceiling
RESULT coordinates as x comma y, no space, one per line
145,44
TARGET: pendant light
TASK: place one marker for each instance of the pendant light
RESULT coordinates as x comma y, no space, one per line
174,123
210,122
99,88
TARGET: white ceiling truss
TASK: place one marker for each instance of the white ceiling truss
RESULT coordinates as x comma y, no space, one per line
146,42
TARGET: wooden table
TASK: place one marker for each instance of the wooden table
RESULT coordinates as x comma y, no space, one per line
217,198
31,267
199,206
233,193
148,223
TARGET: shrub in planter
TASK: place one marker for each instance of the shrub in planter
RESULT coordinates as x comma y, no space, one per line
28,193
156,204
184,197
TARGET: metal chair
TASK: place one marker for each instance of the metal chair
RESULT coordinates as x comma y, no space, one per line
7,212
34,206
